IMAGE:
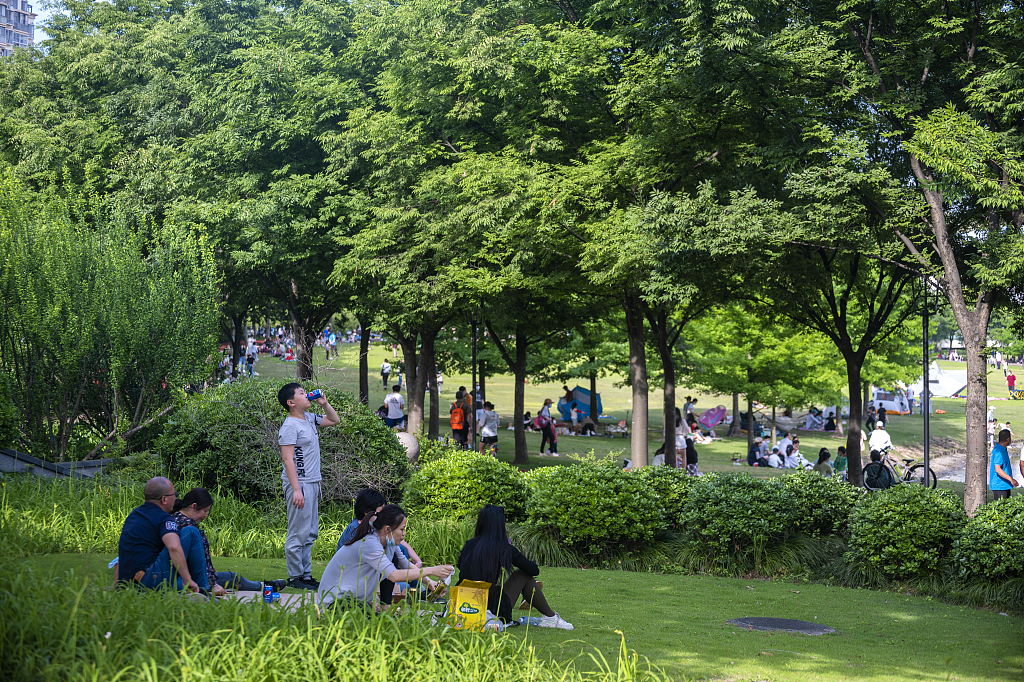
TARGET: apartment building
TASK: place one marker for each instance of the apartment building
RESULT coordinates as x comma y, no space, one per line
17,25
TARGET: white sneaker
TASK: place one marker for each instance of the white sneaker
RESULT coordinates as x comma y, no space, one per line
555,621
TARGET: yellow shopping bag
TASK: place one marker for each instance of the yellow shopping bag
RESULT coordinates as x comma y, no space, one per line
467,605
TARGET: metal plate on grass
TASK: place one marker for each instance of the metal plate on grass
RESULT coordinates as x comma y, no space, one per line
783,625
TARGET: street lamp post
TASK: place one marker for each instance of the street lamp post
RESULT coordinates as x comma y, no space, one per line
925,398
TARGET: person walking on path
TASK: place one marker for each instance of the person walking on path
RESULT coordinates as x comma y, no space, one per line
459,419
489,429
299,438
547,428
1000,475
396,406
385,370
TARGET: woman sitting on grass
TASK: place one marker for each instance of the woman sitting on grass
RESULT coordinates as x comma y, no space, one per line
823,467
191,510
691,458
487,554
371,557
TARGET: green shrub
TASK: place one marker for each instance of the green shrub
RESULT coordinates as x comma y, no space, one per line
991,546
460,483
822,505
672,487
8,414
905,532
137,467
594,506
732,520
227,437
432,450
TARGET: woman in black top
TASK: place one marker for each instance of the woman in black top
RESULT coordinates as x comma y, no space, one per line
488,554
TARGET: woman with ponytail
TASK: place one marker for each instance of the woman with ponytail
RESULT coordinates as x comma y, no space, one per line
370,562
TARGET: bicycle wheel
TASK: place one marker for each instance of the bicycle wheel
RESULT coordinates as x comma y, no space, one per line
877,477
916,475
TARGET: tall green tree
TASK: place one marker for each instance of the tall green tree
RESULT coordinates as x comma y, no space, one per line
765,358
106,318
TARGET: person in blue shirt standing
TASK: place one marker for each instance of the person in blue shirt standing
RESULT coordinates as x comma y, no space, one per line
152,548
1000,474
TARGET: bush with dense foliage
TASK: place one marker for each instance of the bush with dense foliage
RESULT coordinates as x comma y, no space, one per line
8,414
672,487
461,482
991,546
906,532
594,506
823,504
227,437
432,450
730,520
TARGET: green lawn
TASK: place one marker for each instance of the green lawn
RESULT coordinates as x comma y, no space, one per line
679,624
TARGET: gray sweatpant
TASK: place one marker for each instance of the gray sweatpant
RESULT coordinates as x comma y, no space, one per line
303,527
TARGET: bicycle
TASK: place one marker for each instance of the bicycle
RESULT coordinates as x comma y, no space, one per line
887,473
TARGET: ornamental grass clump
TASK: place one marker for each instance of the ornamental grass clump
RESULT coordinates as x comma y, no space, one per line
67,628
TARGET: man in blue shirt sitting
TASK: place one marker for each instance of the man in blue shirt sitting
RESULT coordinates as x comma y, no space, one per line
1000,474
152,549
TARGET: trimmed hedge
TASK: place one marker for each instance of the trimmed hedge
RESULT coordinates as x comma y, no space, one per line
672,487
226,436
905,532
991,546
460,482
825,503
730,517
592,506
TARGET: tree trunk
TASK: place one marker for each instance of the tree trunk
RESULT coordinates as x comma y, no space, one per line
750,422
483,384
976,475
637,376
434,422
417,384
237,335
668,367
305,344
854,384
519,372
734,428
364,363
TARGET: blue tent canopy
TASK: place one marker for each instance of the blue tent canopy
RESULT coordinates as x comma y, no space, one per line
581,397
